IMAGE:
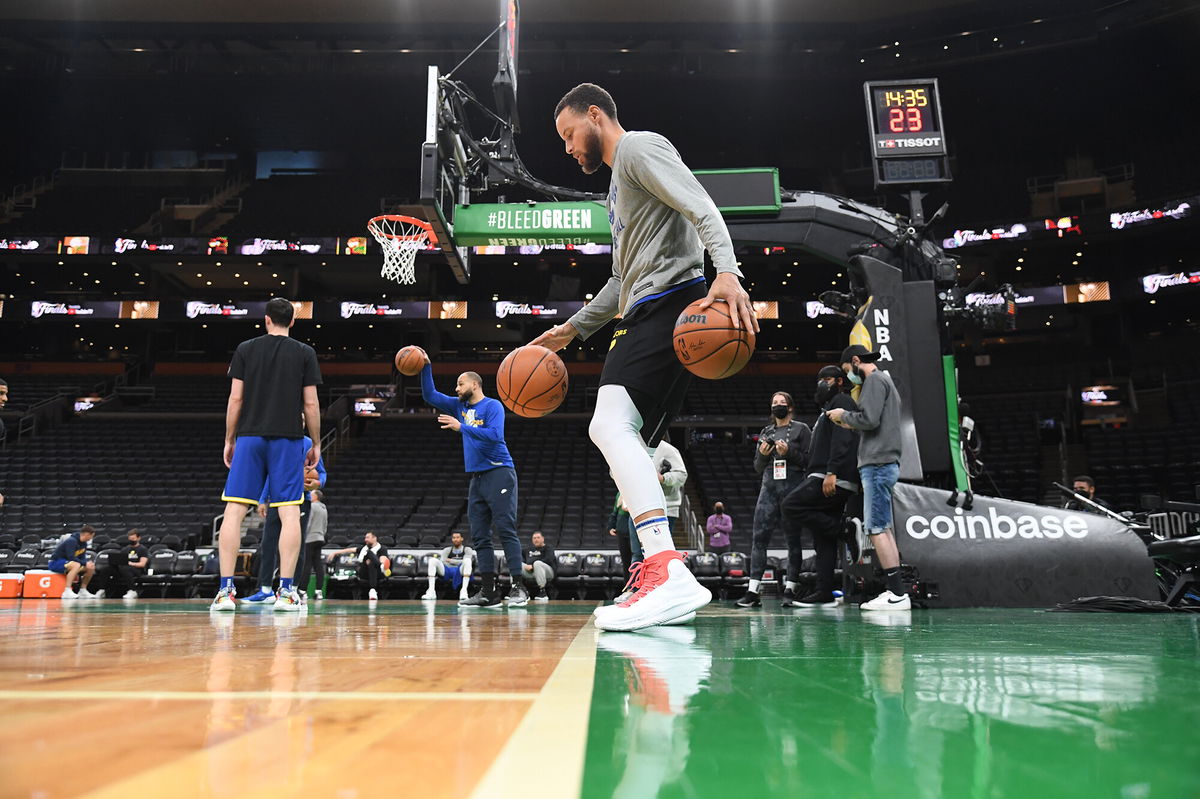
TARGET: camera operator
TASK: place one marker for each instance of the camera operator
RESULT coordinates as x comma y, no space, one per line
780,458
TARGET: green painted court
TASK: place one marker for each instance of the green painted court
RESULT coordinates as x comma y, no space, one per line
946,703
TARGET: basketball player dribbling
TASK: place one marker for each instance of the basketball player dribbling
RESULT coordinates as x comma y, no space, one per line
662,221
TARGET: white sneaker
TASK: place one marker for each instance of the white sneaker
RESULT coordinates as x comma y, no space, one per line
96,595
69,594
289,601
224,601
131,594
431,595
319,595
372,594
541,598
888,601
665,590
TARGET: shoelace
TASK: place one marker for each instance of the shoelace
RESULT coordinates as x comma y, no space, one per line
644,581
636,578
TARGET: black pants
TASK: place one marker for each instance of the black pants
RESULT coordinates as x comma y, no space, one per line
118,578
370,570
268,548
492,502
767,517
806,509
311,562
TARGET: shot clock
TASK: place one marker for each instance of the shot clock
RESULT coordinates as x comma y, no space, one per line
908,143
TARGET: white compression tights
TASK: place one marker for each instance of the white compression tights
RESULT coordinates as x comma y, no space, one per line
616,430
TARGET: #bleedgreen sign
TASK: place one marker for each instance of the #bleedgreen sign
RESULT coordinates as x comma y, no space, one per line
515,225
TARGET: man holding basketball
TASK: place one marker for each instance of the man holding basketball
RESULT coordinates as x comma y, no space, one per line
662,221
492,497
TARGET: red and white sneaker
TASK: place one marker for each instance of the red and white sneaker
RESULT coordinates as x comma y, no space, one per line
665,591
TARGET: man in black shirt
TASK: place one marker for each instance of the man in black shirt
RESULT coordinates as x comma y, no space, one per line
539,565
275,379
818,503
1084,485
124,567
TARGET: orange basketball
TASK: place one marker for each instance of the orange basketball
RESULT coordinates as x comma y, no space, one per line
410,361
311,476
707,343
532,381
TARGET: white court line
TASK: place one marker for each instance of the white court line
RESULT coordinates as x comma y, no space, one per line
335,696
558,722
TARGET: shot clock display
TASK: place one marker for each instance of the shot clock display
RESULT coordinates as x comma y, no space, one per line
907,140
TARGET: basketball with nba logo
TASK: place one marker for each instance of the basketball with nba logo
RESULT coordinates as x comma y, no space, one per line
707,343
532,381
410,361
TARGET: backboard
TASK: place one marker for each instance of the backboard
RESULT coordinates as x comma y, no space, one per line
450,166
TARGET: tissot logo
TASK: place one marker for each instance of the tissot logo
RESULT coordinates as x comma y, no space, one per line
925,141
993,525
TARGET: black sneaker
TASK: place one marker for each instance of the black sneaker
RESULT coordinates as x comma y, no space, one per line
788,599
481,600
749,600
518,597
818,599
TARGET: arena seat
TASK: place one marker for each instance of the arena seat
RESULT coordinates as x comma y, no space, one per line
567,573
618,575
187,564
24,560
159,572
735,572
595,574
405,574
707,568
6,559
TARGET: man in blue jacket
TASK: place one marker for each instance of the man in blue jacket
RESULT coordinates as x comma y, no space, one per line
70,558
492,499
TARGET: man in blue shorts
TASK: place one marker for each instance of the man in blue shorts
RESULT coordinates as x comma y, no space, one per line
275,379
454,564
492,498
70,558
268,547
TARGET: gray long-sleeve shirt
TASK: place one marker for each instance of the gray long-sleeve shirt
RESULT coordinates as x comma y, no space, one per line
318,523
662,220
878,418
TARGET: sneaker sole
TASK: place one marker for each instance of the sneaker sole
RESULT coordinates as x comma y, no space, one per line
686,618
819,606
222,608
677,609
518,604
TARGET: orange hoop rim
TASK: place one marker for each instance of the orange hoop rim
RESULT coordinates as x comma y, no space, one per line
425,232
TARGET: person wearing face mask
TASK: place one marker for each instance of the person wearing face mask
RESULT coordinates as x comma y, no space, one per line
817,505
719,526
1085,486
780,457
879,447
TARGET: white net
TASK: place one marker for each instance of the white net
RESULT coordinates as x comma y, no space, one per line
401,238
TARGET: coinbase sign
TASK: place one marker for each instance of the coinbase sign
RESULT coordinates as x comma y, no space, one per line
1004,553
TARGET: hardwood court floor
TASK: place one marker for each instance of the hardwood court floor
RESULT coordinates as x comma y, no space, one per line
114,699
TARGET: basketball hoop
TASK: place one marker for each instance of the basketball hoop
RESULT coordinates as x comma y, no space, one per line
401,238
